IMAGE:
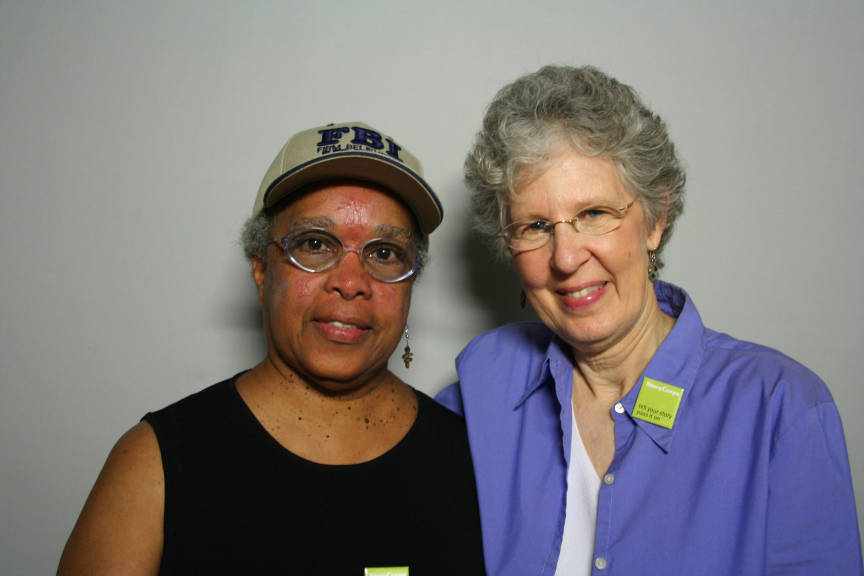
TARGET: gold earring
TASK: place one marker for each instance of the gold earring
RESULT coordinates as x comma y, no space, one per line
652,266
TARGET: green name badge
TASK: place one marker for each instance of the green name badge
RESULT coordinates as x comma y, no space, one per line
387,571
658,403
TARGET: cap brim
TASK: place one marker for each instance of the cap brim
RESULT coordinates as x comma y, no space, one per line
374,168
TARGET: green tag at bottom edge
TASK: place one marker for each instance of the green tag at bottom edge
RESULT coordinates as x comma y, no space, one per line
387,571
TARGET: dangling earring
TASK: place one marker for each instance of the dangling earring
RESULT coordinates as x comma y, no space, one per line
523,300
652,266
407,356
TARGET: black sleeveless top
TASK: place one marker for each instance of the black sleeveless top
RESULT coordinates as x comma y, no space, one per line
237,502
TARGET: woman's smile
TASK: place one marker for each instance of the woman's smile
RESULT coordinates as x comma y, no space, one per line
343,331
583,297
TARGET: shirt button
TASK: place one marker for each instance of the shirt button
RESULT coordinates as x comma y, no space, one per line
619,408
608,479
600,563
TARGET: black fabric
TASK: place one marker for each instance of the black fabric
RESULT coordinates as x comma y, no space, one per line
236,502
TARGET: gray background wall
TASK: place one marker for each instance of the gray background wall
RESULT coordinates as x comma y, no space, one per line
133,136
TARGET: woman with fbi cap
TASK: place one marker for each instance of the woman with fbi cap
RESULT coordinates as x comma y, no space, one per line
620,436
318,460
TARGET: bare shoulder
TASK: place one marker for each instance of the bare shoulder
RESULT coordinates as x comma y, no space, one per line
119,530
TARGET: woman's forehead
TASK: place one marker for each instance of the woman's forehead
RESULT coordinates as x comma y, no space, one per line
345,205
570,178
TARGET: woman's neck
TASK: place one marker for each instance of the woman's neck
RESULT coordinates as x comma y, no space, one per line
610,373
325,426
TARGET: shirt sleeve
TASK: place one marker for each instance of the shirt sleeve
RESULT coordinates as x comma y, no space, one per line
451,397
812,521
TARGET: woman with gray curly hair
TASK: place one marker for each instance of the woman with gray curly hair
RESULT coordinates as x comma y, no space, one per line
620,435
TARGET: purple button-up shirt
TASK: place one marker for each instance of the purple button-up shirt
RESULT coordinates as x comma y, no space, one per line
752,478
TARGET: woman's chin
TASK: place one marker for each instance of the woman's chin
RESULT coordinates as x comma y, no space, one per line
587,335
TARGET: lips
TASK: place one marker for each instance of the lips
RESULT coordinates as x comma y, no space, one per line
343,319
343,330
342,325
584,296
582,293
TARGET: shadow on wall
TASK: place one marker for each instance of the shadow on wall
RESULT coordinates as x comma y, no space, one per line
240,314
492,284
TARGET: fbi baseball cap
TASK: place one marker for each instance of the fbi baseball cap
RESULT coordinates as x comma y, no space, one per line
355,151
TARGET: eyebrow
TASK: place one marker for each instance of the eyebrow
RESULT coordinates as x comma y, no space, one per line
592,202
384,230
316,221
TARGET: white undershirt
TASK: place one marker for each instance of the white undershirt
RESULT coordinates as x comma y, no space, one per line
580,515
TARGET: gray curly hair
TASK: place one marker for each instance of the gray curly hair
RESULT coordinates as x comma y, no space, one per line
599,116
256,236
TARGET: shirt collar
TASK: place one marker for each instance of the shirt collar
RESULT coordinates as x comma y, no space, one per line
677,360
557,359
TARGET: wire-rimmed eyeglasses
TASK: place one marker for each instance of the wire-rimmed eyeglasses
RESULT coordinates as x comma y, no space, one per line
316,250
526,235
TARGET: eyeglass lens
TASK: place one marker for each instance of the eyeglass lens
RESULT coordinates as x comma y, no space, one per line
316,250
593,221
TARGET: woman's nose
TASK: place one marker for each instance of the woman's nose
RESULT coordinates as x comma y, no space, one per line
568,248
349,278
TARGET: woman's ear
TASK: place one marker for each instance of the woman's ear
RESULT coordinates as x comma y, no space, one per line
656,233
259,273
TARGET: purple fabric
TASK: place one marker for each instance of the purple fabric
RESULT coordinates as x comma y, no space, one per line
752,479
